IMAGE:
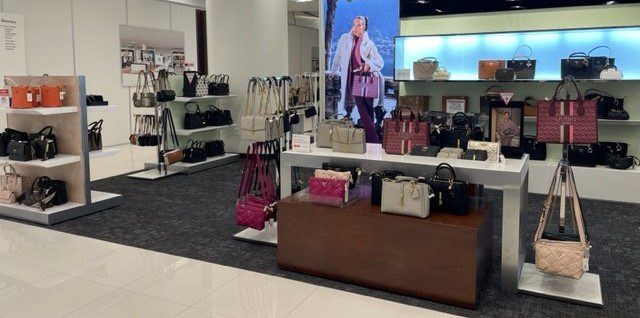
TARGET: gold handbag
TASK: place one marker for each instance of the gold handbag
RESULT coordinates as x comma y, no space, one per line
562,254
492,148
424,68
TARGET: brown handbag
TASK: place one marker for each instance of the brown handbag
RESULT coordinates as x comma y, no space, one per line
419,102
424,68
531,107
562,254
487,68
172,156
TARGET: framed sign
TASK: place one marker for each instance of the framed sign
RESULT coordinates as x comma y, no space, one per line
506,124
455,104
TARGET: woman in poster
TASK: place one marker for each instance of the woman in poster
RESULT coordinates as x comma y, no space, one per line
357,54
507,130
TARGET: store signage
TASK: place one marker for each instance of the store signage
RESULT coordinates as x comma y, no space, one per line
506,97
12,45
301,143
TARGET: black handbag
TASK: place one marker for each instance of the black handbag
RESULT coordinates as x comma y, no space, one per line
505,74
94,132
577,65
604,149
475,154
214,148
59,188
355,172
605,101
165,93
96,100
600,63
310,112
20,151
44,148
459,134
17,135
38,196
194,120
47,134
219,85
618,114
525,67
536,150
190,81
491,96
376,184
194,152
450,195
425,151
582,156
622,163
5,138
217,117
148,140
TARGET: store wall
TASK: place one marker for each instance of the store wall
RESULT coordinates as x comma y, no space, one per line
246,38
82,37
301,42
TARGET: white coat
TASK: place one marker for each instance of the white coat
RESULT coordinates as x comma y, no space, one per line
342,58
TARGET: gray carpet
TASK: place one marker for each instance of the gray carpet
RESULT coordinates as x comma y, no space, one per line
192,216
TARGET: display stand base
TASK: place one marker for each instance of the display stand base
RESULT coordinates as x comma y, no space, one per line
189,168
586,290
268,236
151,174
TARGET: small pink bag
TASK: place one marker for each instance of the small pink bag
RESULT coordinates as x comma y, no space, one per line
327,191
365,85
251,210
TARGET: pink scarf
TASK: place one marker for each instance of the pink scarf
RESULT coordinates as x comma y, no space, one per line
356,58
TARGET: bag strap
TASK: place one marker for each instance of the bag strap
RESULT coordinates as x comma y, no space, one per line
546,211
579,54
598,92
12,169
448,167
577,209
601,47
515,54
566,84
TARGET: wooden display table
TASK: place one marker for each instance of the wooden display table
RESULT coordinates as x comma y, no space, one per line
443,257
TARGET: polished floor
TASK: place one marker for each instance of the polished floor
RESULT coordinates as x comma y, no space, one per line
46,273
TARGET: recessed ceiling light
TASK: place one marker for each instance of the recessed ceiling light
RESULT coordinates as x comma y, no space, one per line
511,0
517,7
610,3
438,10
423,1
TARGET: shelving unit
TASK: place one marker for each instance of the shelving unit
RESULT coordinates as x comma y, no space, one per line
99,109
189,132
105,152
71,164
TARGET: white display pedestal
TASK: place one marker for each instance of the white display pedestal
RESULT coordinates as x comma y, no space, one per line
586,290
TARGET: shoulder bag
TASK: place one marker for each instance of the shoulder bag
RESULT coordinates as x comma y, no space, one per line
214,148
193,119
601,63
144,95
59,188
11,186
582,155
604,101
20,151
94,132
401,134
171,156
405,196
189,83
165,93
605,149
349,140
577,65
253,124
492,149
450,195
254,210
194,152
45,133
376,184
37,196
536,150
323,135
523,66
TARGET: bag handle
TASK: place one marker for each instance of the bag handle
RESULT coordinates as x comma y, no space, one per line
565,83
598,91
459,122
579,54
186,107
448,167
414,117
601,47
515,54
42,131
12,169
428,59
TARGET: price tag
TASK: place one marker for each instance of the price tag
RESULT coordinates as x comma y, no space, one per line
61,95
29,97
301,143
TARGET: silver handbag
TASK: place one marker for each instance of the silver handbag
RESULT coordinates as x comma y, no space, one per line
406,196
323,135
349,140
492,148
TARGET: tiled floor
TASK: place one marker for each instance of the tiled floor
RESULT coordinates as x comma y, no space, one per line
45,273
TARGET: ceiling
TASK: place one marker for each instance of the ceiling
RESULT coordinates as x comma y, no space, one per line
415,8
304,14
131,36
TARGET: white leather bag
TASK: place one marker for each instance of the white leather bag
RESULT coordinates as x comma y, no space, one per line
406,196
612,73
11,185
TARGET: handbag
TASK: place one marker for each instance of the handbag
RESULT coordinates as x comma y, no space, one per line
189,83
536,150
604,101
51,95
20,151
202,85
194,152
418,102
59,189
96,100
487,68
451,153
323,135
530,106
475,154
194,119
450,195
459,134
622,163
217,117
567,121
349,140
45,133
365,85
23,96
221,86
11,185
491,96
164,93
605,149
172,156
505,74
601,63
442,74
254,210
400,133
214,148
145,96
332,174
618,114
37,196
44,148
405,196
582,156
577,65
611,73
424,68
376,184
94,132
328,191
562,255
522,65
355,172
253,125
492,149
425,151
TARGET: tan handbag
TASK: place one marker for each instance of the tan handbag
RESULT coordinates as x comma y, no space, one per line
557,255
424,68
330,174
253,125
487,68
405,196
172,156
11,185
531,107
492,148
349,140
452,153
419,102
323,135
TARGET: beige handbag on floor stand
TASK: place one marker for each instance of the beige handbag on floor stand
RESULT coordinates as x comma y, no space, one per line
562,254
253,125
11,185
350,140
406,196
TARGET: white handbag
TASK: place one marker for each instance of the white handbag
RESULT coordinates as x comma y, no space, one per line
11,185
253,125
492,148
202,86
406,196
448,152
612,73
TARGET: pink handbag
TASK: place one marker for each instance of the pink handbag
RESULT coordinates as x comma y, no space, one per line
327,191
365,85
251,210
402,134
569,121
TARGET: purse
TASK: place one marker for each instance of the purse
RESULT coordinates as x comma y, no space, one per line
194,152
94,133
452,153
219,85
567,121
418,102
459,134
611,73
450,195
601,63
96,100
253,125
144,95
202,85
577,65
11,186
530,106
618,114
195,119
622,163
405,196
442,74
253,210
172,156
45,133
522,65
582,156
51,95
505,74
604,101
425,151
491,96
20,151
562,255
328,191
536,150
23,96
492,149
487,68
349,140
323,134
355,172
44,148
424,68
214,148
376,184
400,133
59,189
365,85
605,149
37,196
189,83
217,117
475,154
332,174
164,93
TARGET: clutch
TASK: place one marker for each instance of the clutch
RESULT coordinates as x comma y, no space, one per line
425,151
476,155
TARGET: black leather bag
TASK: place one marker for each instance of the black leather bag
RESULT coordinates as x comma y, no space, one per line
425,151
355,172
582,156
459,134
475,154
59,187
605,101
214,148
165,95
376,184
190,81
194,152
310,112
195,119
604,149
450,194
20,151
96,100
600,63
505,74
618,114
219,85
536,150
491,96
148,140
47,134
577,65
38,196
17,135
217,117
523,66
44,149
622,163
94,133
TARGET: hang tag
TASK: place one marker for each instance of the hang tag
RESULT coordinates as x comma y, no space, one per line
29,97
506,97
61,95
585,264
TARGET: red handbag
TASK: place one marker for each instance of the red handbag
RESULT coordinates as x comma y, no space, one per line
401,134
365,85
52,95
327,191
567,121
253,210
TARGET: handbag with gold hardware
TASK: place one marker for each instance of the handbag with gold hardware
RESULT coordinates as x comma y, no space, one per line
406,196
11,186
350,140
492,148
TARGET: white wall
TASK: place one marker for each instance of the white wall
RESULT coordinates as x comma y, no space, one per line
81,37
301,41
246,38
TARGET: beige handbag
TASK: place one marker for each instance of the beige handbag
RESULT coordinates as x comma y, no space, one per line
424,68
11,185
330,174
492,148
254,123
419,102
323,135
555,256
448,152
406,196
350,140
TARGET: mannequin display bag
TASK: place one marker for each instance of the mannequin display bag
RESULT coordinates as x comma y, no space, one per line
365,85
376,184
577,65
94,132
51,95
20,151
11,186
605,149
323,135
190,81
194,152
523,66
214,148
487,68
567,121
582,155
405,196
450,194
400,134
536,150
193,119
349,140
424,68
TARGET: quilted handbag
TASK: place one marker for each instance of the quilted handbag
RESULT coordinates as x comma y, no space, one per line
355,172
536,150
567,121
254,123
618,114
376,184
253,210
605,149
144,95
365,85
11,185
323,135
577,65
450,194
349,140
582,155
328,191
400,133
492,149
194,119
562,254
487,68
405,196
523,66
424,68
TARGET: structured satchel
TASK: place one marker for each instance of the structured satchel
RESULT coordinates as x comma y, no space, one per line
536,150
328,191
601,63
219,85
194,152
323,135
450,195
577,65
459,134
425,151
44,149
59,188
424,68
164,93
492,149
23,96
38,196
355,172
582,156
45,133
376,184
350,140
604,149
189,83
365,85
400,133
214,148
522,65
51,95
194,119
562,254
20,151
567,121
475,154
487,68
94,132
11,185
406,196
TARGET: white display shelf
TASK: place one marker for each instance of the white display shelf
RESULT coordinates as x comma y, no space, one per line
42,111
59,160
151,174
188,132
183,99
608,122
100,109
189,168
105,152
586,290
